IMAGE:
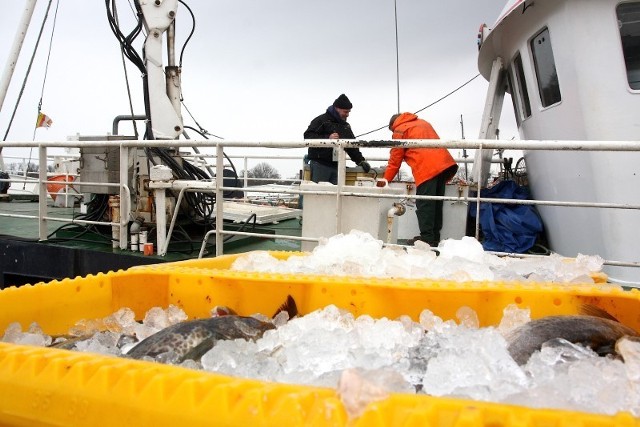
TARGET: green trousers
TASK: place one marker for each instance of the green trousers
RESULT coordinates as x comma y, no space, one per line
429,212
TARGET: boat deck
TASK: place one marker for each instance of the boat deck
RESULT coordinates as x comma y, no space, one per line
72,250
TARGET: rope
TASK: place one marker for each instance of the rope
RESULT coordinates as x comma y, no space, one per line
449,94
26,77
430,105
395,9
193,28
126,75
44,80
46,67
202,131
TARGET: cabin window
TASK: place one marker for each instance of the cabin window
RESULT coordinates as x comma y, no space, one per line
521,87
629,24
545,66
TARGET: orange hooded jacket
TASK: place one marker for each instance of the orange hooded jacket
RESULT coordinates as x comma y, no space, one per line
425,163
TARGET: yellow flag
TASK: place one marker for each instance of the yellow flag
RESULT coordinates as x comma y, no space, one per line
44,121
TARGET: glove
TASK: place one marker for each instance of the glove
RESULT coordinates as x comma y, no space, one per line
365,166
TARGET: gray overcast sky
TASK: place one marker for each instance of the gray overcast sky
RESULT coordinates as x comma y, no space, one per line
261,69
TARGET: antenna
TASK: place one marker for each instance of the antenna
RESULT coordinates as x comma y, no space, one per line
395,9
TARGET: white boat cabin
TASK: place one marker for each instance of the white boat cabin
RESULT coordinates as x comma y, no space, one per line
572,68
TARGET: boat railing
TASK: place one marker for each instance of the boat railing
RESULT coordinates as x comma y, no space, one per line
216,186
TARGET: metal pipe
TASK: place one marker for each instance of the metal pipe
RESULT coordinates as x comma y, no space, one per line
14,53
165,248
171,42
118,119
125,196
342,160
550,145
42,193
219,200
397,209
477,178
263,235
207,186
161,219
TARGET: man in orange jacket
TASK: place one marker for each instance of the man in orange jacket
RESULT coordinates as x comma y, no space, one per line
431,169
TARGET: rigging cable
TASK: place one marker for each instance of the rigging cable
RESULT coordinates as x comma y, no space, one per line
430,105
126,45
202,130
44,81
46,67
126,74
193,28
201,204
26,77
204,134
395,9
449,94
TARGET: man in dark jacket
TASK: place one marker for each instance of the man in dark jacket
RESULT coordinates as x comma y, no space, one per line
332,125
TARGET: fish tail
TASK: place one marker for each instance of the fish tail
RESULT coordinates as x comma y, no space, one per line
289,306
592,310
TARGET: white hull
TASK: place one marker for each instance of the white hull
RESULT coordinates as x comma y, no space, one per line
595,101
590,177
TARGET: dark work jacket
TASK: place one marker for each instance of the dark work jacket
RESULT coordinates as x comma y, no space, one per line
323,126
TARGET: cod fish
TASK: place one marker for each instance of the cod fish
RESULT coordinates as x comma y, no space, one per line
595,329
191,339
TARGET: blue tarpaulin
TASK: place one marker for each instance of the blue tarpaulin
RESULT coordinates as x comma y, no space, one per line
507,227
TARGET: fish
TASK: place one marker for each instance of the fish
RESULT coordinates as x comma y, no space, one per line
69,342
593,328
191,339
222,310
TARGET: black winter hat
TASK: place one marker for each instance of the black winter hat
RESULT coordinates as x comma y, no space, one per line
343,102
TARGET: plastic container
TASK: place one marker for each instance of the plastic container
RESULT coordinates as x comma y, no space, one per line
41,386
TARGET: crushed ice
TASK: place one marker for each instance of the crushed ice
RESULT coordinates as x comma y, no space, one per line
360,254
366,359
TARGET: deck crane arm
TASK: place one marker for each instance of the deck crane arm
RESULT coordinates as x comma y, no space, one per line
163,85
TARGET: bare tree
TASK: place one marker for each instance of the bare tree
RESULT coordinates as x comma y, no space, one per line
263,173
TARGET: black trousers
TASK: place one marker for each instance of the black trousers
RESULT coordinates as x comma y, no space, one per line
429,212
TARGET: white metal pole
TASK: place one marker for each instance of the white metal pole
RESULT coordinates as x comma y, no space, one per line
15,49
161,219
42,195
219,200
125,196
342,172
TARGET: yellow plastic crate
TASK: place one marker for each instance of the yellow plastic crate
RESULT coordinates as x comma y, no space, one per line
41,386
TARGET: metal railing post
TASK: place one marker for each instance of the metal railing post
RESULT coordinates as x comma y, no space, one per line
340,191
342,172
42,192
245,174
125,202
219,199
479,174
